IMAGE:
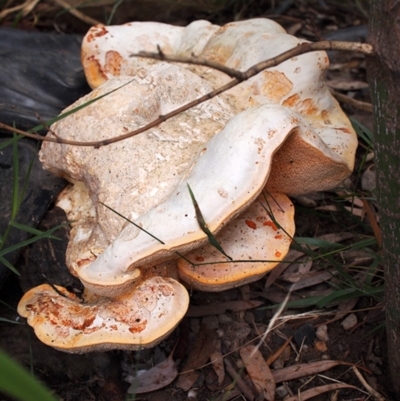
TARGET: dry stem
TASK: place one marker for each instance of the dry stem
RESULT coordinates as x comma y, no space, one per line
238,78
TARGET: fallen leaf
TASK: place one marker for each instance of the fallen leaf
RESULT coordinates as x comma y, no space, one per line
239,382
200,353
347,85
313,392
293,255
259,371
217,308
304,280
217,362
302,370
155,378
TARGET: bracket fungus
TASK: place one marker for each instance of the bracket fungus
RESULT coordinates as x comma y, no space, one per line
224,167
138,319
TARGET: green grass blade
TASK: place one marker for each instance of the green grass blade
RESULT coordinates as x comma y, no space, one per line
16,382
363,132
113,10
32,230
203,225
15,188
45,234
349,293
9,265
132,222
10,141
74,110
4,320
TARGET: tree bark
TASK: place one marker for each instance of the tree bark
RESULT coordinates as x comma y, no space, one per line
384,80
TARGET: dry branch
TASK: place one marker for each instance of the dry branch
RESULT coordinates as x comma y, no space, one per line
238,78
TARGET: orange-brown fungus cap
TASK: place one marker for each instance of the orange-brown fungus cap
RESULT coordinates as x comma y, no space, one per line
262,233
136,320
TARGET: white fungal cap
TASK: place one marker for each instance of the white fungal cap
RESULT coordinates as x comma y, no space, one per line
226,178
281,130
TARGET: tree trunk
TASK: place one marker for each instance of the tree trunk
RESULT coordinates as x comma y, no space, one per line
384,80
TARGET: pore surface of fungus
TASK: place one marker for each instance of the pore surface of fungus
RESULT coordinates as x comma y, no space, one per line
279,133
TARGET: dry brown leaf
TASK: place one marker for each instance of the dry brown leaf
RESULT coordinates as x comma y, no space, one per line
270,360
304,280
277,296
293,255
155,378
302,370
376,314
368,179
200,353
217,308
240,384
340,84
277,271
313,392
258,370
217,362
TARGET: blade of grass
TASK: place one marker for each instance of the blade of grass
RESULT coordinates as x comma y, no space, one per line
349,293
74,110
9,265
32,230
45,234
10,141
16,382
203,225
4,320
15,188
363,132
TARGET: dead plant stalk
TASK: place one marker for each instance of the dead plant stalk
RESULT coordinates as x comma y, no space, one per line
238,77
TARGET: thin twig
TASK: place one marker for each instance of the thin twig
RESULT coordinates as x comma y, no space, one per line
239,77
76,13
26,8
352,102
366,385
272,62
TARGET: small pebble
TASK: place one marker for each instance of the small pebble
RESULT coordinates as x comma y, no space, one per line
322,333
349,322
281,392
278,364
